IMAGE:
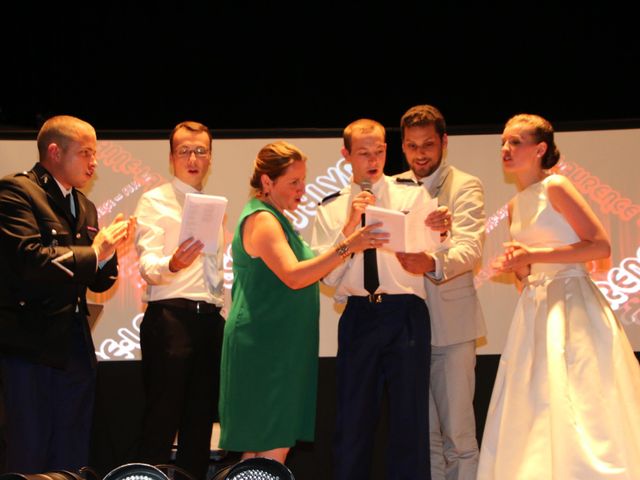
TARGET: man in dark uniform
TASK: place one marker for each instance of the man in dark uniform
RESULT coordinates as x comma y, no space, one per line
52,250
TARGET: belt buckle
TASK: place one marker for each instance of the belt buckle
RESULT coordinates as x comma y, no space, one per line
375,298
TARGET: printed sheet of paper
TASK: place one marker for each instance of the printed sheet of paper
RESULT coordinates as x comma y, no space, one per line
419,237
202,217
408,231
393,222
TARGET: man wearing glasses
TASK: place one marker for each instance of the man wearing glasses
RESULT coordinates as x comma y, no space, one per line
181,332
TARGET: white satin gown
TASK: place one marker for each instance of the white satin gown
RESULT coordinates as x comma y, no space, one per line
566,400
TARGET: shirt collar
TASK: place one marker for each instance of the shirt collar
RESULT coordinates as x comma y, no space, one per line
375,187
428,181
64,191
184,187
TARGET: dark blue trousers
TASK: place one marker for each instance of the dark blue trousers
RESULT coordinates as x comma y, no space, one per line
386,344
49,411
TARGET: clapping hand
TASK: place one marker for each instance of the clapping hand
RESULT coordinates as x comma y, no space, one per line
110,237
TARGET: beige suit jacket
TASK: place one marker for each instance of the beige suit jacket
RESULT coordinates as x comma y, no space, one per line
454,308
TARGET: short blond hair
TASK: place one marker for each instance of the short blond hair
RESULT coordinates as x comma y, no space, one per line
362,125
61,130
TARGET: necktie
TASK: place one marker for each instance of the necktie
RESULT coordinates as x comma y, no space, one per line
72,205
371,280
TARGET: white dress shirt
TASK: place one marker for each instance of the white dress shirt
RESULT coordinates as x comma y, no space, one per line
348,278
159,216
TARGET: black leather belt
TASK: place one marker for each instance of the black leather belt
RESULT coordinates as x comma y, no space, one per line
382,298
190,305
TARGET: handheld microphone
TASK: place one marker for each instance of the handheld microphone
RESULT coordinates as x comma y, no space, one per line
365,186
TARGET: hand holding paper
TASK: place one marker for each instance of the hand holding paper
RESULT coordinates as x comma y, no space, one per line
440,219
185,254
201,219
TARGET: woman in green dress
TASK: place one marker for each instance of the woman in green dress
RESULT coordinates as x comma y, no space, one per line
270,348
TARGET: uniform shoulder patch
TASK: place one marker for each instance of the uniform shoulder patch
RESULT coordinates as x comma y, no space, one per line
407,181
330,197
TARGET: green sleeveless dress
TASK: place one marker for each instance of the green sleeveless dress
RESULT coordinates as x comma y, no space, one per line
269,367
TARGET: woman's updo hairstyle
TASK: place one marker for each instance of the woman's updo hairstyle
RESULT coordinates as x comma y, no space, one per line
273,160
542,131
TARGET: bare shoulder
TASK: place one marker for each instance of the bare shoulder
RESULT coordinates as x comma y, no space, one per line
565,197
264,224
262,218
557,181
559,186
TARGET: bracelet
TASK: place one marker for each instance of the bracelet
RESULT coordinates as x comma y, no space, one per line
342,249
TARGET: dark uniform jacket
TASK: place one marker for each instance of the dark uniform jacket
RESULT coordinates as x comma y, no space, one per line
46,265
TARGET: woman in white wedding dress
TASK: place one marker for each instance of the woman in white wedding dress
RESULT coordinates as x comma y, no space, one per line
566,400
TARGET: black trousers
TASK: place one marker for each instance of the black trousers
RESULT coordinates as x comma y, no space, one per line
181,342
383,345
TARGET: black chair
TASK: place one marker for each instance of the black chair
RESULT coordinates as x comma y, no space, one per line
257,468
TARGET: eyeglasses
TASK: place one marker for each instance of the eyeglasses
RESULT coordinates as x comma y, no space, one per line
185,152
